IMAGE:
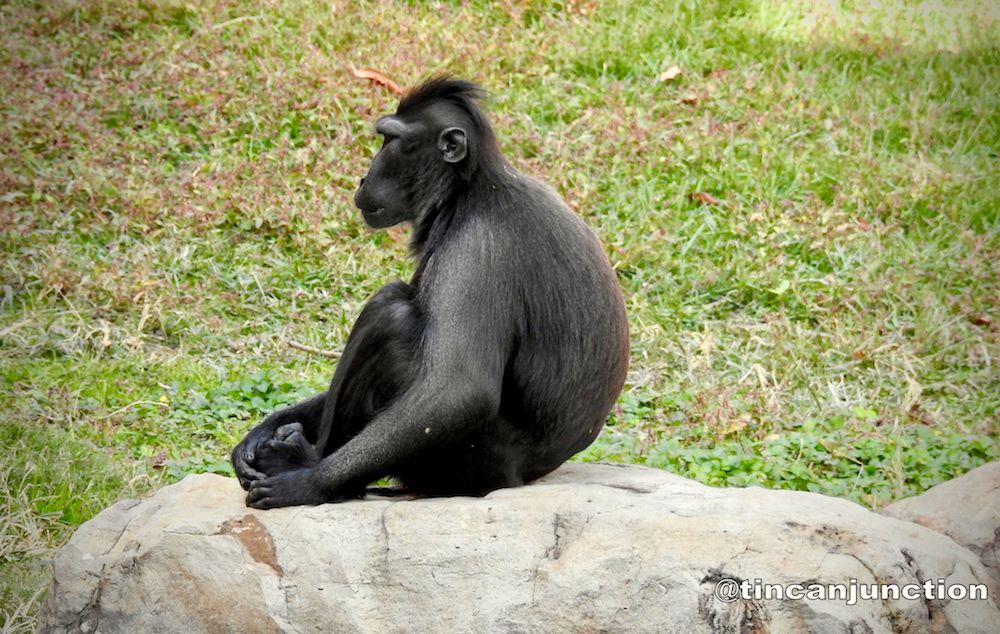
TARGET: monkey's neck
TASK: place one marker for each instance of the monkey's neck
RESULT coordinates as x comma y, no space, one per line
432,224
423,231
471,197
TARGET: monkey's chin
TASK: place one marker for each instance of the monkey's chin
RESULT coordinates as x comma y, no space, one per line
379,218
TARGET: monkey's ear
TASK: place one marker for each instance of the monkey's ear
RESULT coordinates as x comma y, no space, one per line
452,144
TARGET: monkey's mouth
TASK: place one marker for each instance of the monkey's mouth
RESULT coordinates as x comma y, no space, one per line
376,218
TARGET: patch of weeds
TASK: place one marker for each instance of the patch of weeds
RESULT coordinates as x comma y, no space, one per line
196,427
845,456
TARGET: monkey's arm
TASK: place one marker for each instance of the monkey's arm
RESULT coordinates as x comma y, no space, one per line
460,366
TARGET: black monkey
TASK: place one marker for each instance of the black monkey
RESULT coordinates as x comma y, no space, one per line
498,361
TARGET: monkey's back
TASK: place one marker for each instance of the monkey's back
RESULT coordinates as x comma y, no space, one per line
570,354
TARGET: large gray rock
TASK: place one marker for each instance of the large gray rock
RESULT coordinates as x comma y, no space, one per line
591,548
967,509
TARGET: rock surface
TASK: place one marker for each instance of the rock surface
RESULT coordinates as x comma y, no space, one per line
591,548
967,509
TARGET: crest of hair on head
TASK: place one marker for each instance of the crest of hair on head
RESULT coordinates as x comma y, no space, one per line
466,96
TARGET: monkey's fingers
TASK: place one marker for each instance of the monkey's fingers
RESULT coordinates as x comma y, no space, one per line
295,446
246,474
283,432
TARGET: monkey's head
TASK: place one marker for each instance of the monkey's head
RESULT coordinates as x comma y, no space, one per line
432,147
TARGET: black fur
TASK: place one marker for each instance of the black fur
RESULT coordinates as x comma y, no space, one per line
498,361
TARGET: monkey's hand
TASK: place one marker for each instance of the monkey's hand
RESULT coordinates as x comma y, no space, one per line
290,488
288,450
244,455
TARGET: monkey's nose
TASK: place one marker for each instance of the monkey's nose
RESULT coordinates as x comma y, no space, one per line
362,181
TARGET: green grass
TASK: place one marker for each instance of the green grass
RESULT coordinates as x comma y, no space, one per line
175,185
